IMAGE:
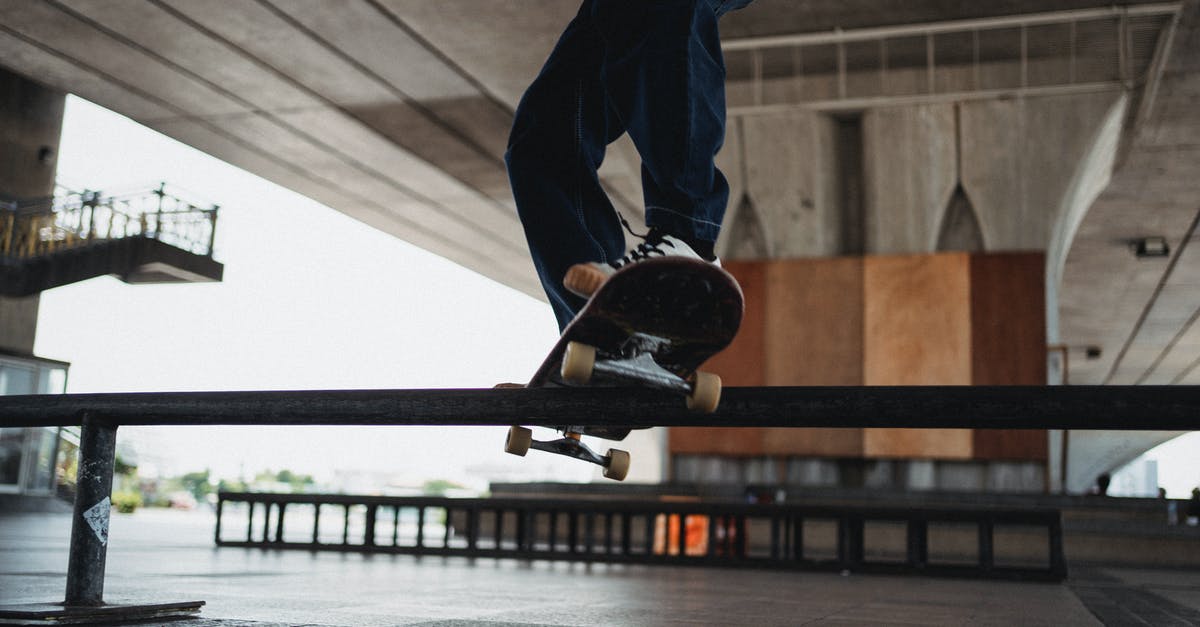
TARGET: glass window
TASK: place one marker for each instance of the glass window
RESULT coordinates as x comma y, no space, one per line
28,456
16,379
41,479
53,380
11,443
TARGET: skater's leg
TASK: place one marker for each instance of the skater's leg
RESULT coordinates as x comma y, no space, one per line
558,140
665,76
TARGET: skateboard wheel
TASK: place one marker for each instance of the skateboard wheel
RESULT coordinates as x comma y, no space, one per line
577,363
618,464
518,441
706,393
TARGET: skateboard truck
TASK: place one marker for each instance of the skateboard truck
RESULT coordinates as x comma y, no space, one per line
615,463
650,325
636,364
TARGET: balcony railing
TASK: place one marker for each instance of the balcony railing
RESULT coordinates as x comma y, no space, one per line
76,219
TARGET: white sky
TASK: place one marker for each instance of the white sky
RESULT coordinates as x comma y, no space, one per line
311,299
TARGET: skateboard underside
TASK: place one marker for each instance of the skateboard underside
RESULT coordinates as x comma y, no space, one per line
651,325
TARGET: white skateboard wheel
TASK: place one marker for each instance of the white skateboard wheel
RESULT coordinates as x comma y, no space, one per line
618,464
518,441
577,363
706,393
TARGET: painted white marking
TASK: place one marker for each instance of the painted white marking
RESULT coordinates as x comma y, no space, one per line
97,518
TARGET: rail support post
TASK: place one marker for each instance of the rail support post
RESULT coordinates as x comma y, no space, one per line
93,503
84,604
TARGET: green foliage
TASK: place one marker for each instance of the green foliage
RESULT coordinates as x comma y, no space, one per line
127,501
296,482
197,483
226,485
122,467
439,487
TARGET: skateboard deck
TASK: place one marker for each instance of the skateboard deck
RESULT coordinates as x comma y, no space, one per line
652,324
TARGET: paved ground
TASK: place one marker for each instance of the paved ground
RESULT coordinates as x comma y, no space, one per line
162,556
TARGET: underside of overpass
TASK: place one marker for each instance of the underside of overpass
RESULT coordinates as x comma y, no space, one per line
1068,127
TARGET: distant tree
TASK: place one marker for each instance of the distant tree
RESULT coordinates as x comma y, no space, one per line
225,485
197,483
439,487
123,467
296,481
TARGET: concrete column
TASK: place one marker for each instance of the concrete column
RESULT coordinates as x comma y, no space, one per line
910,171
784,199
30,126
18,324
1019,159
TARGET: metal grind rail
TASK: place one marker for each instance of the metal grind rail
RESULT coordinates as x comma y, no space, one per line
666,533
1012,407
1141,407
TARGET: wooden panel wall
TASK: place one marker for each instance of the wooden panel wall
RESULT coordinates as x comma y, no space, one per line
917,320
944,319
814,324
1008,339
814,334
917,331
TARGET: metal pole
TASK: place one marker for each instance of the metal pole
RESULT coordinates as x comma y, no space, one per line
93,504
161,192
212,229
1141,407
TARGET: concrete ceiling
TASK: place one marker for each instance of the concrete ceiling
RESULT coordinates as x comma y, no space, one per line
1142,312
396,112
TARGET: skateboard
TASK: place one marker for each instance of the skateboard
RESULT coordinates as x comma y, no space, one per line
651,324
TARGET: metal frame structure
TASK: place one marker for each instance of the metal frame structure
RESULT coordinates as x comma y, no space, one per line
1124,19
1012,407
951,26
76,219
649,532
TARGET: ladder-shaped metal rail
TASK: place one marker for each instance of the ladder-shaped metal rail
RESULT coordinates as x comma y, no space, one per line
852,538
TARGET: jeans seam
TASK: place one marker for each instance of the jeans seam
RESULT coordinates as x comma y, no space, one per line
682,215
579,169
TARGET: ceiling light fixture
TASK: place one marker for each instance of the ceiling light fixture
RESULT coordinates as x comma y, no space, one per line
1146,247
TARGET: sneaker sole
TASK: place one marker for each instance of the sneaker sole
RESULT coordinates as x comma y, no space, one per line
584,279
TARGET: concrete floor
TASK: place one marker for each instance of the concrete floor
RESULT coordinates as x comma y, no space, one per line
165,556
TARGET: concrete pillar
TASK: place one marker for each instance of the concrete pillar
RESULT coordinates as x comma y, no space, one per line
784,197
1019,159
30,126
18,324
910,170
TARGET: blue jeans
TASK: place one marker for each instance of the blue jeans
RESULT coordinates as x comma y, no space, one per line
652,68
